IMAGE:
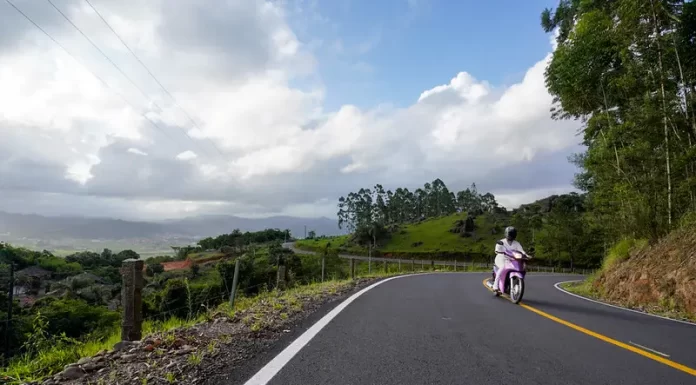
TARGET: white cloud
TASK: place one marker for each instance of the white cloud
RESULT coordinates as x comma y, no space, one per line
187,155
136,151
233,67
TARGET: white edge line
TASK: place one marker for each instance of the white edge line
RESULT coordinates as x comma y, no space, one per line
557,286
263,376
648,349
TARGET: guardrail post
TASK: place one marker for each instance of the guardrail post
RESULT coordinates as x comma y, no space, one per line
399,265
132,300
455,265
386,269
432,265
352,268
235,279
323,266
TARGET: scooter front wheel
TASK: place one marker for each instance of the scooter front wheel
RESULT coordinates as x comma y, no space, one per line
516,289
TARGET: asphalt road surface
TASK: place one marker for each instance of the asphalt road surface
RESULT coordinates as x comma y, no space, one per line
447,328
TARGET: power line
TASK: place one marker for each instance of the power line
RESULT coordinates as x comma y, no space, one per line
150,73
88,70
115,65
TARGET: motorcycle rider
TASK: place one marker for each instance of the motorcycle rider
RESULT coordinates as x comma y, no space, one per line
509,243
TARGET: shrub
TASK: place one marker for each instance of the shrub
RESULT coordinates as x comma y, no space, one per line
75,317
621,251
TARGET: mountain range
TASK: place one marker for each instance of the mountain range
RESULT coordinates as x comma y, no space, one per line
60,227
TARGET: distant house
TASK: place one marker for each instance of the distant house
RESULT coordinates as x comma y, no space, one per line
29,280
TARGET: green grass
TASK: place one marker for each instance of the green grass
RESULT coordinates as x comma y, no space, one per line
621,251
433,235
339,243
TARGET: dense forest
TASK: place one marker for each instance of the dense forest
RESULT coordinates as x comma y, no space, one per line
627,70
376,207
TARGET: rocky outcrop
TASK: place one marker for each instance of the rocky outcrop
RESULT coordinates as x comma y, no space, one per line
659,278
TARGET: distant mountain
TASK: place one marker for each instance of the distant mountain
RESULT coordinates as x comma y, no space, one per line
41,227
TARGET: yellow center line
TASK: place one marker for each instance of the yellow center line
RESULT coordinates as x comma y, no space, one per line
610,340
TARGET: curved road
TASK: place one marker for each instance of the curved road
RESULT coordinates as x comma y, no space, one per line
447,328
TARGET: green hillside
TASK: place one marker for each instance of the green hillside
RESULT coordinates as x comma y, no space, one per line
431,237
434,236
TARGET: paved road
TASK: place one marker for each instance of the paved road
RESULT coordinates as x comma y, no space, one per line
448,329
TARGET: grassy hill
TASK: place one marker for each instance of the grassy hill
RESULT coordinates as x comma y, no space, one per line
429,238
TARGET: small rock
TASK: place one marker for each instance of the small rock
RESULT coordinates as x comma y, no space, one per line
102,370
72,373
123,345
128,357
84,360
92,366
149,348
286,331
101,353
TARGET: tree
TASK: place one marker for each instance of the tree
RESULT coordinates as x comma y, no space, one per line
311,234
619,67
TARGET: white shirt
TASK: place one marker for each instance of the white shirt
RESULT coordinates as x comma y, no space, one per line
514,245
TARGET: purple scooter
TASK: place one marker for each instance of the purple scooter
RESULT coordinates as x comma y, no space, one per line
512,275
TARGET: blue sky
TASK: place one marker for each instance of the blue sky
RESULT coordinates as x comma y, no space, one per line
389,51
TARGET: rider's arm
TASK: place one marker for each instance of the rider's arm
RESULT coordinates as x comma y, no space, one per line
499,249
518,247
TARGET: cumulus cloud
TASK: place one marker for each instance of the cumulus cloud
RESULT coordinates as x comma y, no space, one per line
239,136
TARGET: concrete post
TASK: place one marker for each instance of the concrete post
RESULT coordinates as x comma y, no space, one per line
323,266
386,268
235,280
352,268
281,280
132,300
399,265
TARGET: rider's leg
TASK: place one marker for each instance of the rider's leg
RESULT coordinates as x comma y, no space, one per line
500,263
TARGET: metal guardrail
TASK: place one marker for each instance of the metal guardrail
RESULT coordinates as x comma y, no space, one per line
453,264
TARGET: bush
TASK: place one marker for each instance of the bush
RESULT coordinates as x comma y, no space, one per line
621,251
75,317
153,269
174,301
